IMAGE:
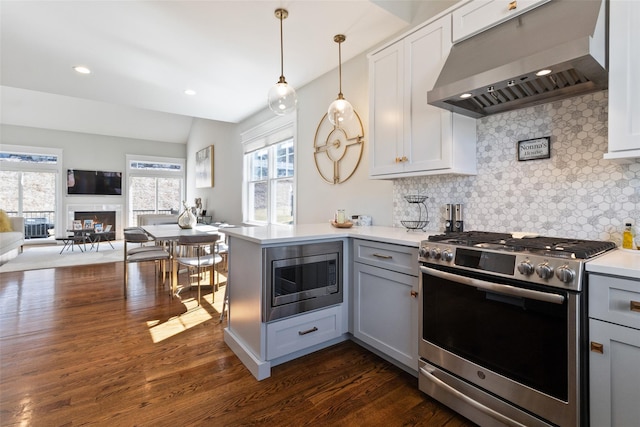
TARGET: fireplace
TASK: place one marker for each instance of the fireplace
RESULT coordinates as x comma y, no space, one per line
106,218
98,210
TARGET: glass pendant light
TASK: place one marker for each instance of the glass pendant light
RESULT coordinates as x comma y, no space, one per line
340,110
282,97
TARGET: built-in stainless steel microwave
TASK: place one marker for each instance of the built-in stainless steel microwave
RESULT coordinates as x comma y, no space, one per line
301,278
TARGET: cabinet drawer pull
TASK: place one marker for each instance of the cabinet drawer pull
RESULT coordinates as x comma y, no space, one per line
308,331
382,256
634,306
414,294
596,347
513,5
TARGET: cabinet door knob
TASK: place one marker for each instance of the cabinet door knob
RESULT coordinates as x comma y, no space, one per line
634,306
414,294
596,347
513,5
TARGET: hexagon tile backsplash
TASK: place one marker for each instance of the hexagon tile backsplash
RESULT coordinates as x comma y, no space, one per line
575,193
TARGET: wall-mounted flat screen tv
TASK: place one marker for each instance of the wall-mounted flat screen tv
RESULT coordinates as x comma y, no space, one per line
94,182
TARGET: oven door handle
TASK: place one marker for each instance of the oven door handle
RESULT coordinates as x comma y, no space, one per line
495,287
477,405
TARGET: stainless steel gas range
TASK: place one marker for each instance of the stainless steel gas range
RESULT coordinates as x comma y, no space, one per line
503,326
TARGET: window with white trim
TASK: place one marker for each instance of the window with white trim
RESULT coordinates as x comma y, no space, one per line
269,173
155,186
29,184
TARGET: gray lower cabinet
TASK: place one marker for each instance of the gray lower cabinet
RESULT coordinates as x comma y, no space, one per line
614,358
303,331
385,308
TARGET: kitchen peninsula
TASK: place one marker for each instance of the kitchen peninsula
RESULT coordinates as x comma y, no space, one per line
260,344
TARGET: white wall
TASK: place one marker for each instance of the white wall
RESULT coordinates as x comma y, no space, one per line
317,199
224,200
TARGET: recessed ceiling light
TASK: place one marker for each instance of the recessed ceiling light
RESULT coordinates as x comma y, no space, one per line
82,69
466,95
189,92
543,73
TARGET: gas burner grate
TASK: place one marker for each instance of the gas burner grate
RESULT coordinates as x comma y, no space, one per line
580,249
470,238
556,247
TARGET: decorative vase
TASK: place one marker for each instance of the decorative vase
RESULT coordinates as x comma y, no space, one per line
187,219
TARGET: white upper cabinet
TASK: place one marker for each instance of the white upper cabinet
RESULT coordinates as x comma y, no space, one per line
480,15
409,137
624,85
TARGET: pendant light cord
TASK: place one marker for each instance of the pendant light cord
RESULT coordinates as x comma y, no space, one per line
339,39
282,80
340,67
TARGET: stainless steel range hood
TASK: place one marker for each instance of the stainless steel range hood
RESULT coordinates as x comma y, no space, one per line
498,67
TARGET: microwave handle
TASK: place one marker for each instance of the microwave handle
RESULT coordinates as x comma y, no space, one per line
477,405
495,287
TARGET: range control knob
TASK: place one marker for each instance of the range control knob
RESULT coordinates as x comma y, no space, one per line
526,268
447,255
565,274
423,252
434,253
544,270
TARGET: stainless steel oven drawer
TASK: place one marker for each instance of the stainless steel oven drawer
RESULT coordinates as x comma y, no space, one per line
403,259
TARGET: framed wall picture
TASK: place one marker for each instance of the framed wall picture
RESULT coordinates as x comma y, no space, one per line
204,167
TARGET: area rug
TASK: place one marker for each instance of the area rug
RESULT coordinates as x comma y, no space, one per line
49,256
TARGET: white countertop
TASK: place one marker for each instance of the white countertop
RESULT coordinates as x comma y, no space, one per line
274,234
620,262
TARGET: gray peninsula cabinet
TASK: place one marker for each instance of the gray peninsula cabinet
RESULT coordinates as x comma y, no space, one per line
377,308
261,342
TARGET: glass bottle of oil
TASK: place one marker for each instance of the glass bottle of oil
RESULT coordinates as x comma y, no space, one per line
628,236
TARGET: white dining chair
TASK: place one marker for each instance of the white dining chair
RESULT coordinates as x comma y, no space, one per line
200,252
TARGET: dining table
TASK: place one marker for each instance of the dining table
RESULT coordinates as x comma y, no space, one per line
170,234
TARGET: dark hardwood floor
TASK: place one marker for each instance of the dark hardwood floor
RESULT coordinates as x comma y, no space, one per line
74,352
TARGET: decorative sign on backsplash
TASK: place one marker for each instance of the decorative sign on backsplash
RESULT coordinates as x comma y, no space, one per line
533,149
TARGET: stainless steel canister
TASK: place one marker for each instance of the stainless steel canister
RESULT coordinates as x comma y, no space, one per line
458,223
449,208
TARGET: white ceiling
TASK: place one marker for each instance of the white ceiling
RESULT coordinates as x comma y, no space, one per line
144,54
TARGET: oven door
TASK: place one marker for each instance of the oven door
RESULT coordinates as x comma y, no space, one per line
517,342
